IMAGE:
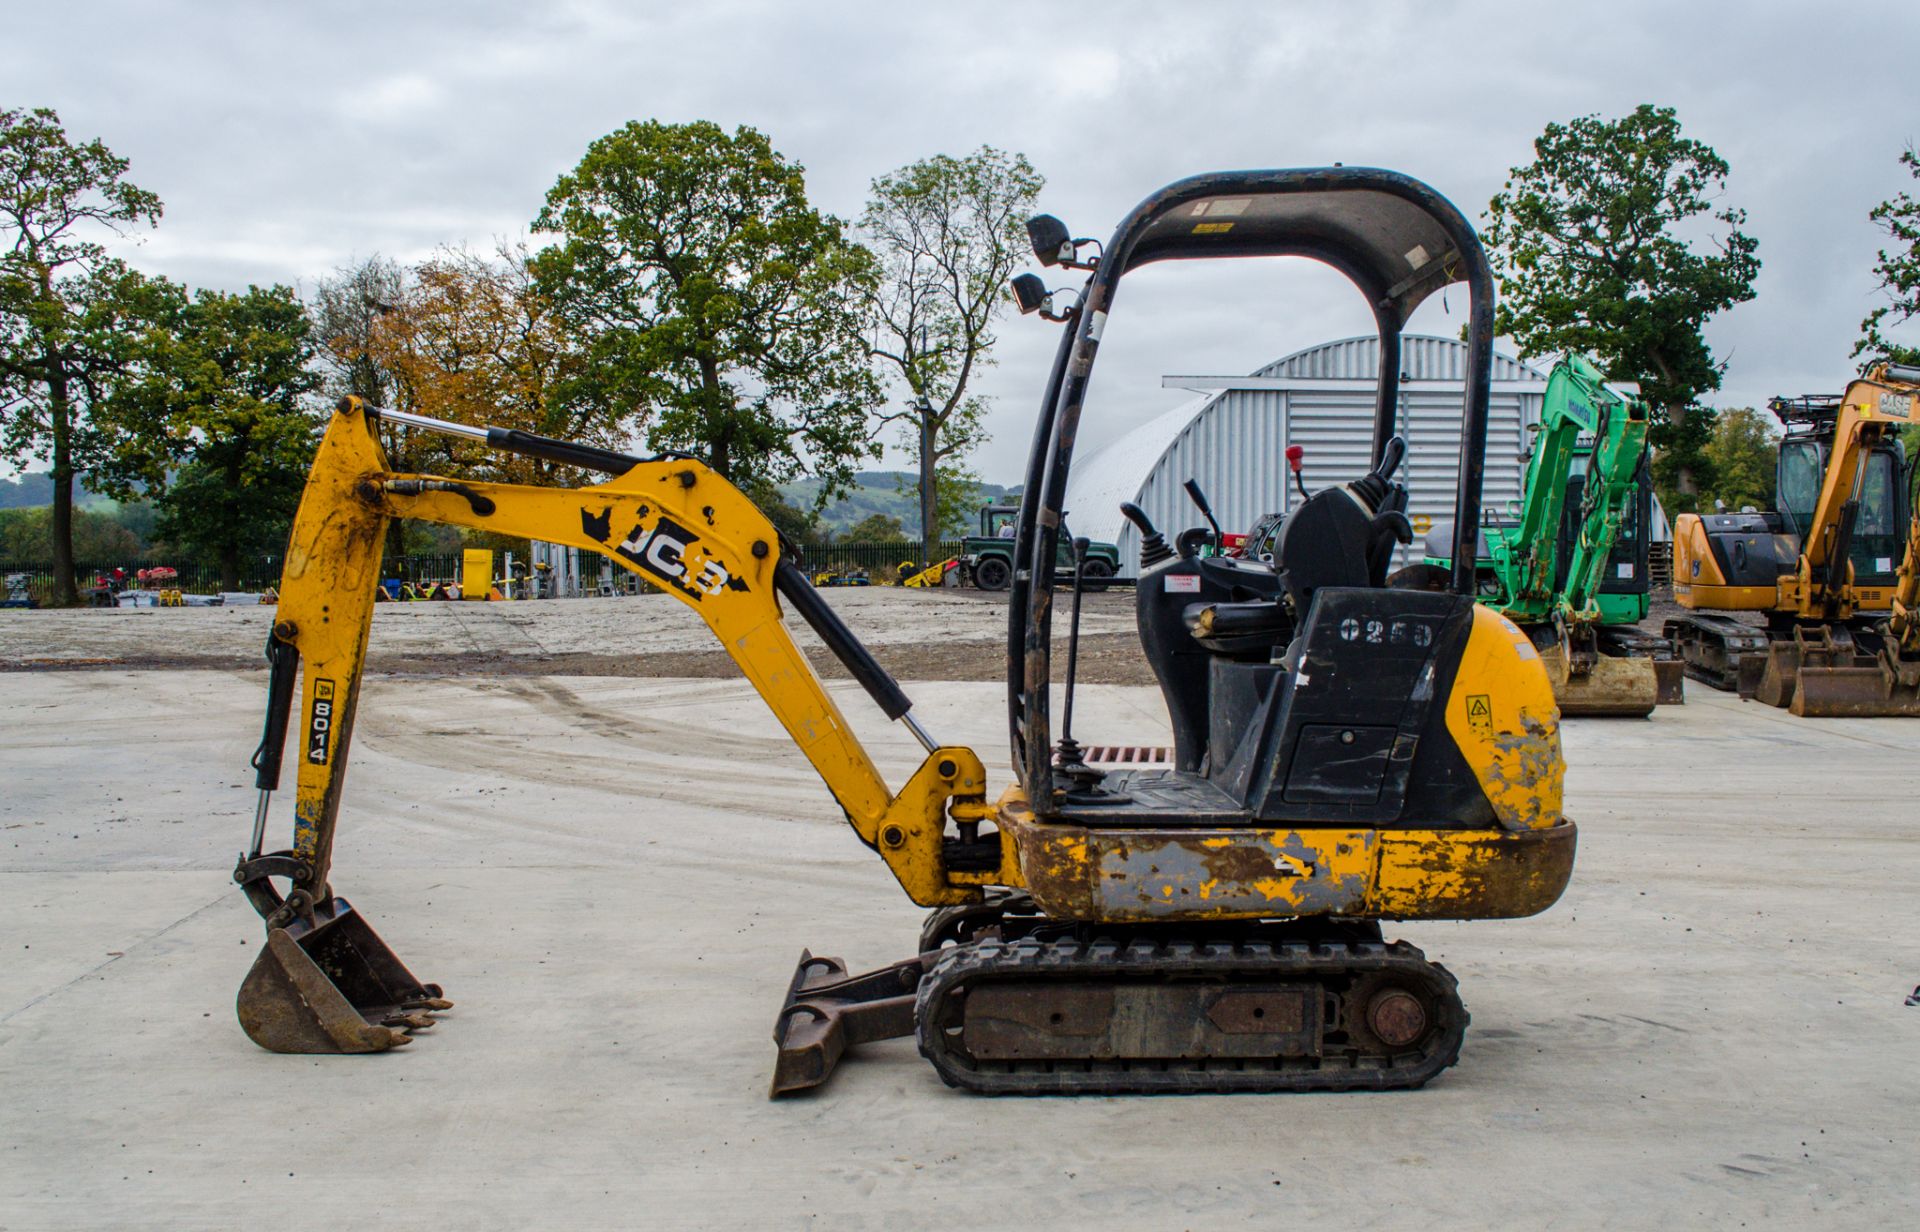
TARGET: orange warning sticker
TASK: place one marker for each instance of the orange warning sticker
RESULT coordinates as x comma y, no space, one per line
1212,228
1480,712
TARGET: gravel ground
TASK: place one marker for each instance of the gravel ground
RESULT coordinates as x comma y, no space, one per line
918,635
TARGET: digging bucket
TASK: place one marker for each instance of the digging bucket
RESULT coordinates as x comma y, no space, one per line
1852,692
1618,686
328,984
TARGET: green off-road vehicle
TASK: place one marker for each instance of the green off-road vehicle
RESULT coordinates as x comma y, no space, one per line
988,556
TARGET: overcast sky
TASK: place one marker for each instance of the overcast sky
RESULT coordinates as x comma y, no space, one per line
287,140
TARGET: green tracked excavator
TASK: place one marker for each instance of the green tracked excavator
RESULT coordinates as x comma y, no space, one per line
1559,570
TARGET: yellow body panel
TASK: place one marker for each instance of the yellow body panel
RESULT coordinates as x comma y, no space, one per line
1502,716
1118,874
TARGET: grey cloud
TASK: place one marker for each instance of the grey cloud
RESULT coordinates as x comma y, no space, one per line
287,140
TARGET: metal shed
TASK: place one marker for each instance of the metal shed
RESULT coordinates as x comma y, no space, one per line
1233,439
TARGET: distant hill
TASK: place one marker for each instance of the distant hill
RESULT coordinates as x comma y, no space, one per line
892,493
35,488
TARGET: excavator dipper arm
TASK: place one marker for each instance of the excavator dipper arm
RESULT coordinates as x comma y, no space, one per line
676,523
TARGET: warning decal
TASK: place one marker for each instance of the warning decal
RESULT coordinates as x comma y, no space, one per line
1480,713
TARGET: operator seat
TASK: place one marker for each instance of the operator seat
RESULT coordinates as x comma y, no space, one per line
1340,536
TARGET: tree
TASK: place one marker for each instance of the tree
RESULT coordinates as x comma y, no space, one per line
221,414
1741,452
876,528
949,233
1586,243
472,339
57,285
26,536
1898,270
347,311
713,302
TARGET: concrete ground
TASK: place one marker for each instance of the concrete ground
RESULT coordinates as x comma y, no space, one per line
613,878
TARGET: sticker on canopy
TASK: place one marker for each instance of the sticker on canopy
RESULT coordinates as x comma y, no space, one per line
1624,569
1418,256
1183,584
1212,228
1222,207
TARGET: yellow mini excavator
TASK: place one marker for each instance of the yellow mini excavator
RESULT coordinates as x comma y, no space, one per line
1826,567
1348,751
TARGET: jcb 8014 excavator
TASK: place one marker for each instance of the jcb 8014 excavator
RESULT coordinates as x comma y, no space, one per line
1550,568
1825,566
1348,752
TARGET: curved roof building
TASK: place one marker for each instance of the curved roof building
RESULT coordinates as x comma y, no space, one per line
1233,435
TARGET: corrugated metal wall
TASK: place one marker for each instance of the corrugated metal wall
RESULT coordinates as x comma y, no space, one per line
1236,444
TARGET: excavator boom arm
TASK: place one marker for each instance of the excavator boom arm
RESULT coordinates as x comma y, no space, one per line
676,523
1613,472
1525,557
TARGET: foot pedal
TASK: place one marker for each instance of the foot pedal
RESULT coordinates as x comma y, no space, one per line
330,985
828,1011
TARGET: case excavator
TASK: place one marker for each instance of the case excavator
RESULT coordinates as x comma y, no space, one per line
1831,568
1549,570
1348,752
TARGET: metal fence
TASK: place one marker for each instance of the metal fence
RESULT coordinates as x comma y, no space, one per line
262,572
873,557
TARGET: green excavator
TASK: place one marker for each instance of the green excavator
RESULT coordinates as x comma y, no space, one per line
1571,568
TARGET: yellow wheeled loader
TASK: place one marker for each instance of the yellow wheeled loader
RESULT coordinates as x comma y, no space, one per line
1347,752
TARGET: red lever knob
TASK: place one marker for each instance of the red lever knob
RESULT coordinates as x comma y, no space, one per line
1296,454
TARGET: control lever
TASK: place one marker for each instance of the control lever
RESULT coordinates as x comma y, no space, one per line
1375,486
1296,459
1199,499
1153,545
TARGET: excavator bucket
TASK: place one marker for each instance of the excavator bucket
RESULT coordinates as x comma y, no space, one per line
1853,692
1823,673
330,985
1609,685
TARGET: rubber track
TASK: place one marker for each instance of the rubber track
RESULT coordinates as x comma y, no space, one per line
1339,1069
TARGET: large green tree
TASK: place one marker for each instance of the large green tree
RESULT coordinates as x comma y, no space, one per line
1611,243
716,305
221,413
1741,453
949,233
61,335
1898,269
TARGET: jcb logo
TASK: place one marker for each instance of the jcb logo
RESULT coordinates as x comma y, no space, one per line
320,725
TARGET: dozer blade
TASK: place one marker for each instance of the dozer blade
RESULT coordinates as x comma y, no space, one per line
330,985
1852,692
1611,685
828,1011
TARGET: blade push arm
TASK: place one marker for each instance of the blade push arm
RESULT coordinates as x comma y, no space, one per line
687,531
